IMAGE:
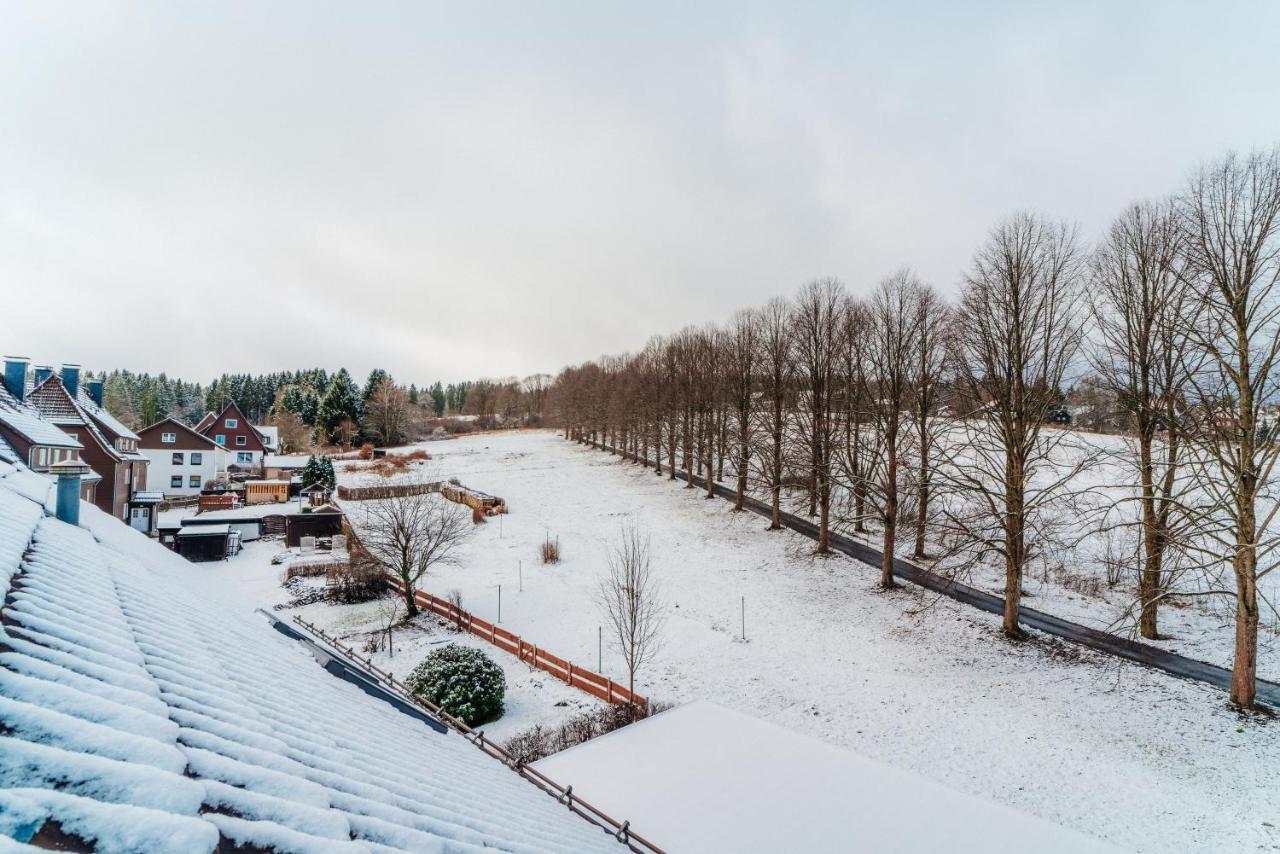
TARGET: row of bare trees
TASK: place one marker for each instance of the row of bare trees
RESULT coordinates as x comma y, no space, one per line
900,411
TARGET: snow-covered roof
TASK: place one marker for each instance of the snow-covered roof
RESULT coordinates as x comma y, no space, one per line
270,434
744,784
37,430
145,708
102,416
284,461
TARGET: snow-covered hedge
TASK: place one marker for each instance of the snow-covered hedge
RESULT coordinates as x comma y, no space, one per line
464,681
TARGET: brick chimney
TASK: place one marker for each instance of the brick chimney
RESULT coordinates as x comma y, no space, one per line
15,376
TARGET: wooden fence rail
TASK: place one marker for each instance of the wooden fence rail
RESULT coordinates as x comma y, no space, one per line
620,831
532,654
390,490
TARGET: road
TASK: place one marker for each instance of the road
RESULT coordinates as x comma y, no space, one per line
1130,650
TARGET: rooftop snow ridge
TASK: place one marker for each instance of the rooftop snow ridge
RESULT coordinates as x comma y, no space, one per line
144,709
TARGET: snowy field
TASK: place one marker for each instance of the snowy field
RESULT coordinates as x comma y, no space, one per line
1146,761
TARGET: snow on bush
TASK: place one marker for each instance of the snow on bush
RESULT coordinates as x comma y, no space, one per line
464,681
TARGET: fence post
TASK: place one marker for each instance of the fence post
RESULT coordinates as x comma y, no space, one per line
610,690
570,674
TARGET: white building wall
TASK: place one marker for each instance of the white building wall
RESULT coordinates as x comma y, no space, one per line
162,470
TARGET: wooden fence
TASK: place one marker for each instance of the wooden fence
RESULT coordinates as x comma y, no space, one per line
620,831
566,671
390,490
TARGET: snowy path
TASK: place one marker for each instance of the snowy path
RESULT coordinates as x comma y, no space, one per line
1169,662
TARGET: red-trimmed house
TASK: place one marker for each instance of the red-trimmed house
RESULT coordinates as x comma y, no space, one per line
232,430
108,447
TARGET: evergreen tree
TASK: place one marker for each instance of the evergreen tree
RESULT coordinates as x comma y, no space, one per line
413,394
340,403
376,376
437,398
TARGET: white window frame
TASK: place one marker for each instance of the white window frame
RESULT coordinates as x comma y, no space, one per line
242,441
232,423
168,438
220,439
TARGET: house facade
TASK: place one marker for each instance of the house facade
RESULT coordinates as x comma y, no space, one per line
37,443
230,429
108,447
182,460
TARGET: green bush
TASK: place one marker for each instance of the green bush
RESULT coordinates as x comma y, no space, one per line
463,681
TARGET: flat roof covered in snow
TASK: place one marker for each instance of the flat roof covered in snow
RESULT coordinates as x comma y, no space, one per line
705,778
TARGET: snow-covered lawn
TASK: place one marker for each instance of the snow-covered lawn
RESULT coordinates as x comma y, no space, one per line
1143,760
1149,762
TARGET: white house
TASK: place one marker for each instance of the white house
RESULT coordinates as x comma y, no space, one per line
182,460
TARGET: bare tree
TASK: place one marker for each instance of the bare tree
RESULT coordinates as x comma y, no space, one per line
409,534
816,324
386,413
1138,308
777,369
929,353
1231,221
742,362
894,312
1019,328
629,597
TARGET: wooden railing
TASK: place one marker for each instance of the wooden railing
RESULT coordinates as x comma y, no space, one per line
620,831
535,656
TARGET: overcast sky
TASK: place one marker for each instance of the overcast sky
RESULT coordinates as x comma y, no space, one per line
471,189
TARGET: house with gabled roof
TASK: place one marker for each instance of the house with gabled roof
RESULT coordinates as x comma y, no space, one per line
182,460
39,444
144,707
108,446
230,429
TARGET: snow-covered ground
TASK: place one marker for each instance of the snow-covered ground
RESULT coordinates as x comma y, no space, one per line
748,785
1146,761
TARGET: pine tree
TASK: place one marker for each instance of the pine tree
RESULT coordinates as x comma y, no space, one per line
340,403
437,398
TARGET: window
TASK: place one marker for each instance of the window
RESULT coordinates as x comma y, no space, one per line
197,458
244,457
175,482
220,439
42,456
194,481
232,423
177,458
168,438
241,441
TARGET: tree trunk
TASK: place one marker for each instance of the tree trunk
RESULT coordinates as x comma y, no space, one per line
1015,535
923,510
1152,546
890,512
410,606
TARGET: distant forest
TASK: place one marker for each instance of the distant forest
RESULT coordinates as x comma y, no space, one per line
314,405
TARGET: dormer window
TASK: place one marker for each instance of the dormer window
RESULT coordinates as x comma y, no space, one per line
168,438
232,423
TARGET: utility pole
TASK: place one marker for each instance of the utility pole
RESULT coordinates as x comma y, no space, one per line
499,603
599,649
744,617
